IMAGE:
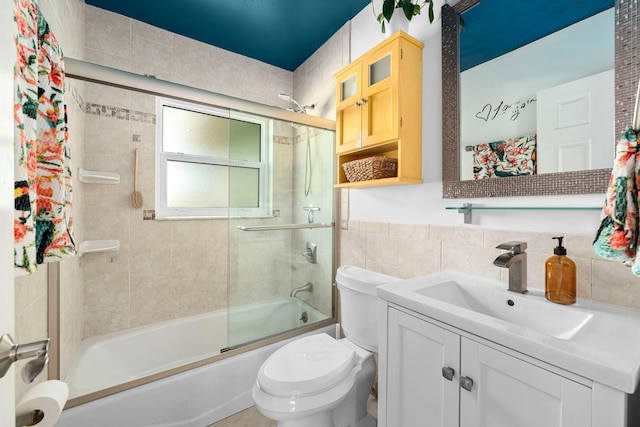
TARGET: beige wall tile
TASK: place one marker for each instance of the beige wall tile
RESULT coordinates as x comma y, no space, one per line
151,33
151,300
536,242
381,248
190,56
150,248
352,248
470,236
148,57
614,283
583,277
409,230
580,246
374,227
379,267
108,32
99,57
418,257
106,320
472,260
106,291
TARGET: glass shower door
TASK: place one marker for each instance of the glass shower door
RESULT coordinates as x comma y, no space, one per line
281,261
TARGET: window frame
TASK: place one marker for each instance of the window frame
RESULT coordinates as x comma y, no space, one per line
163,157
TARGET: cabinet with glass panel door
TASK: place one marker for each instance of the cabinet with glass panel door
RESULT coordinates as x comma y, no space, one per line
379,110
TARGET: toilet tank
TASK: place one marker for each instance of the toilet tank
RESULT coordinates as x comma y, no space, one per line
359,304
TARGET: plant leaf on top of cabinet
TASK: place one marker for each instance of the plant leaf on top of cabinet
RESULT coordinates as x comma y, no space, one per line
379,110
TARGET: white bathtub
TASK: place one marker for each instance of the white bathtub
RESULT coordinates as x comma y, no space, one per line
194,398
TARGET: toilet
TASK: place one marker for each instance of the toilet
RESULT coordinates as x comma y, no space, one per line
318,381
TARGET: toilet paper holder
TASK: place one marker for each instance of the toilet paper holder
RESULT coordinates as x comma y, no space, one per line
11,352
30,418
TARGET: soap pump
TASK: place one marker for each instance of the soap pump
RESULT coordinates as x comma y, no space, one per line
560,276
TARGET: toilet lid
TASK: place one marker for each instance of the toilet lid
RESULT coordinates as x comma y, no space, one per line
306,366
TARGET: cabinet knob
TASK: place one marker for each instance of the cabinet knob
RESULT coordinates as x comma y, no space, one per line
466,383
448,373
363,101
358,103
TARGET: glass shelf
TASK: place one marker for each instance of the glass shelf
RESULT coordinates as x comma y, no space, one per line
525,208
467,208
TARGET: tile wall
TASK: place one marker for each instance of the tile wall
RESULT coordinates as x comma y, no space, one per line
313,83
413,250
164,269
169,269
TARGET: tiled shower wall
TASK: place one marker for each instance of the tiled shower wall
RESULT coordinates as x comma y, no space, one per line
167,269
313,84
413,250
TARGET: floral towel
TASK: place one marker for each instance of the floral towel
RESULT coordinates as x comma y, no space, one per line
513,157
43,208
617,237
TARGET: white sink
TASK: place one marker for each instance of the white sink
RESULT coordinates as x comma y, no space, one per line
591,339
532,313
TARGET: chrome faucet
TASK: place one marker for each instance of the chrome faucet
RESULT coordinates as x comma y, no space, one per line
304,288
516,261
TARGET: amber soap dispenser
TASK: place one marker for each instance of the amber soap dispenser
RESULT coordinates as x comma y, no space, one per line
560,276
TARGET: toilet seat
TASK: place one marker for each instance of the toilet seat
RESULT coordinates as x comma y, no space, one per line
306,366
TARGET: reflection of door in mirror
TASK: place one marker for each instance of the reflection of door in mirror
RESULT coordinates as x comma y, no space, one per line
575,125
501,100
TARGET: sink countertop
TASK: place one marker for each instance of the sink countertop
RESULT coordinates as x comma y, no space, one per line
605,348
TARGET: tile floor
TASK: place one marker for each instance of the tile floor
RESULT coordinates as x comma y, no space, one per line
253,418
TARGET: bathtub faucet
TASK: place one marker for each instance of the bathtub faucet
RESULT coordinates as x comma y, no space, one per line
305,288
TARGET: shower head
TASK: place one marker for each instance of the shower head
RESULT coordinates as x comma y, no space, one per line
294,105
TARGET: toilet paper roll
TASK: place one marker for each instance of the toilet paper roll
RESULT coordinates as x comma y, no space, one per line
48,397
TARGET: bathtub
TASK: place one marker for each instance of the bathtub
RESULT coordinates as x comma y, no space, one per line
194,398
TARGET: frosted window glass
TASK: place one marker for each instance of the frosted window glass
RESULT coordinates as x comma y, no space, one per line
192,132
348,87
245,187
380,70
245,141
197,185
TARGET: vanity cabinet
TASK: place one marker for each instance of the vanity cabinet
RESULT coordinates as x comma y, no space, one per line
379,109
434,376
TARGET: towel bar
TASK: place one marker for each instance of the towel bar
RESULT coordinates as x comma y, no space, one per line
283,227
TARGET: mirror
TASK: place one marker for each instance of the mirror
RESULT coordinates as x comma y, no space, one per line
455,139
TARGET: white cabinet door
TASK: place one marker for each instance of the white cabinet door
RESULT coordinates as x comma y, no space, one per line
508,392
417,393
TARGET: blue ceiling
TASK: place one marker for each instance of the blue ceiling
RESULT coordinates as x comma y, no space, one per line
285,33
496,27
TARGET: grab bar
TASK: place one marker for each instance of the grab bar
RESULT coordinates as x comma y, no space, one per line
284,226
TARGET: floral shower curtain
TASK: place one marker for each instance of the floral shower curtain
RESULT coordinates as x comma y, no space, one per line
43,208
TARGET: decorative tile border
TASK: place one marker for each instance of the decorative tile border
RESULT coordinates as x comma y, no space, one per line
119,113
75,94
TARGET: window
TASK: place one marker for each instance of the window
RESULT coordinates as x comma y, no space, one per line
211,162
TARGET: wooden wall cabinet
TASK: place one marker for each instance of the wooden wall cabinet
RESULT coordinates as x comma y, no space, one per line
379,110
